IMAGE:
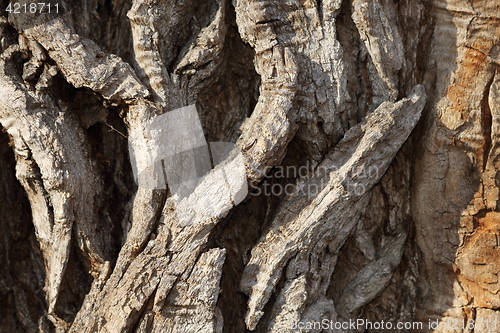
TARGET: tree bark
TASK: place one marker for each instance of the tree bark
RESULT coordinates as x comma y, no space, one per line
360,184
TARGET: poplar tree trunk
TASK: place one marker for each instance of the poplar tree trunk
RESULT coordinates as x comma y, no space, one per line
362,183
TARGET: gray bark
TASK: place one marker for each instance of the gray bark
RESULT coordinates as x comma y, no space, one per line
390,108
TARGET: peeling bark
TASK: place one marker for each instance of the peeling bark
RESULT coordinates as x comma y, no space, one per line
376,120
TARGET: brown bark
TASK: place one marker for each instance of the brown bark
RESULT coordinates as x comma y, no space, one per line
377,121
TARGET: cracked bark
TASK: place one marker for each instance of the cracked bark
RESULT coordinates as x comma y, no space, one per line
381,221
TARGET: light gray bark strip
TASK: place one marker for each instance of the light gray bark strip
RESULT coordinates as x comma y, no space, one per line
191,307
61,185
375,21
300,222
84,64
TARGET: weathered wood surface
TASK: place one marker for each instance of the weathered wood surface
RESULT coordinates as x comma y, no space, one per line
304,224
384,225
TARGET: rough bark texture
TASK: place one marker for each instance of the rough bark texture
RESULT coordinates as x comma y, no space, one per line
368,131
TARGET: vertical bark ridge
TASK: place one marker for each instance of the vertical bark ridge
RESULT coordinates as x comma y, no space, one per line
62,185
304,220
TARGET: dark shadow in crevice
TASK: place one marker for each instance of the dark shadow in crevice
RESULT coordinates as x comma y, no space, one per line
22,299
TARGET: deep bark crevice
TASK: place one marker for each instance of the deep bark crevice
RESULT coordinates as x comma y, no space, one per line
22,298
383,222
